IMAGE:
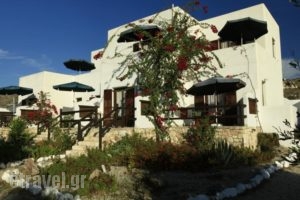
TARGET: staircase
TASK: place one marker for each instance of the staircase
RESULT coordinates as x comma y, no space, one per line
43,136
90,141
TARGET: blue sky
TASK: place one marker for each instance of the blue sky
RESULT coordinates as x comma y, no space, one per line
37,35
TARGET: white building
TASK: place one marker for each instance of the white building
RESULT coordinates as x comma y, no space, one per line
257,63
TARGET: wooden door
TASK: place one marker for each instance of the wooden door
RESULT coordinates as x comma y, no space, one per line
129,107
124,101
107,107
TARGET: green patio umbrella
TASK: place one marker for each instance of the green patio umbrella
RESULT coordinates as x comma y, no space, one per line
74,87
79,65
15,90
134,33
215,86
242,30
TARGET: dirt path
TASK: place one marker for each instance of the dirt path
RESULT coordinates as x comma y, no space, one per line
283,185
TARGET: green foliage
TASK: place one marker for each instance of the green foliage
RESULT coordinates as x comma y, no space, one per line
293,134
224,151
123,150
267,142
84,165
61,141
16,147
201,136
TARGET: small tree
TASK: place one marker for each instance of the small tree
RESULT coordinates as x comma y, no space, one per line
173,56
45,111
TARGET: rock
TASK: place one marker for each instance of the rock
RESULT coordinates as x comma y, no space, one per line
50,192
265,174
77,197
256,180
35,189
62,156
240,188
104,169
279,165
271,169
7,176
248,186
30,167
96,173
228,193
285,164
66,196
41,159
16,164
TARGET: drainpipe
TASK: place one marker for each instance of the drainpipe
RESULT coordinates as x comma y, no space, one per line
263,83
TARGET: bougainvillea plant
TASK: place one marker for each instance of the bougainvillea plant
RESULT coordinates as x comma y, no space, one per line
45,111
177,53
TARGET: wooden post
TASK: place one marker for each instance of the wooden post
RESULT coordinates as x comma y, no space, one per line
100,133
79,133
49,132
60,118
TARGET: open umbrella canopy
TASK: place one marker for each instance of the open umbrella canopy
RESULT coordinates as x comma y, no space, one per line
79,65
15,90
216,85
138,32
74,86
245,29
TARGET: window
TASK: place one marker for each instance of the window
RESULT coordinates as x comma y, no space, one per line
273,48
214,45
145,107
252,106
136,47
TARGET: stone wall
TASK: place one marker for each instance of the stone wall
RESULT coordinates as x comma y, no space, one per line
236,135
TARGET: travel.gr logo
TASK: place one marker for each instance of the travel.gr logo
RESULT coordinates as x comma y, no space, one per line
57,181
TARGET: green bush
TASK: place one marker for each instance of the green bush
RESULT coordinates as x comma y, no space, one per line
18,142
201,136
84,165
267,144
61,141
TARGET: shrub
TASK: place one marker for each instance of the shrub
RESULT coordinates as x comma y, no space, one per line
61,141
267,144
18,142
84,165
201,136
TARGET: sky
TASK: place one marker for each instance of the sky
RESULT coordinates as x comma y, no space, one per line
39,35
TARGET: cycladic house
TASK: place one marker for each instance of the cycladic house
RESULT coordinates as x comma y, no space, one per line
256,60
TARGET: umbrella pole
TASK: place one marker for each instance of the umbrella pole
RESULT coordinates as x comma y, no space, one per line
216,109
14,105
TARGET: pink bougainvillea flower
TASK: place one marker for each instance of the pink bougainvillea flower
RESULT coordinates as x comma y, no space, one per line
182,63
214,28
173,107
169,48
98,55
159,121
